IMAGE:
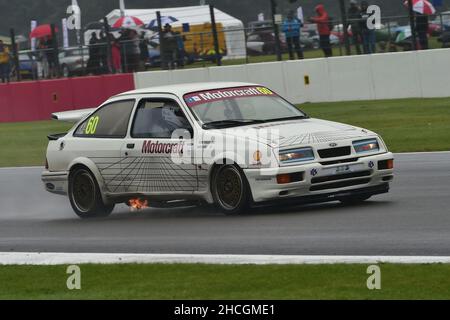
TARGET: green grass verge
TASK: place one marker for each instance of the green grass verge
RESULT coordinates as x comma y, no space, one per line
405,125
24,143
196,281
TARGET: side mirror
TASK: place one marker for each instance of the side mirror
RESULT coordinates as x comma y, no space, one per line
184,134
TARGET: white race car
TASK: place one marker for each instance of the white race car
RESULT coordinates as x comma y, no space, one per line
230,144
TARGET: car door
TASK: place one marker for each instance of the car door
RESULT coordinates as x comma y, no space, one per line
155,152
100,137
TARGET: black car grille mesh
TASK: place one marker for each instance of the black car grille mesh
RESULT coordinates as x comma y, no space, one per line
339,184
334,152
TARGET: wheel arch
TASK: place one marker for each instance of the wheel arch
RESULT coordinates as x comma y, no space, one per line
91,166
221,161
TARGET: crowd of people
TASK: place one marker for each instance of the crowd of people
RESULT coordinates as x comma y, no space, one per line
292,29
360,32
130,51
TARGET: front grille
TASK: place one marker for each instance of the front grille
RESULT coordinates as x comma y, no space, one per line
343,176
339,184
328,163
334,152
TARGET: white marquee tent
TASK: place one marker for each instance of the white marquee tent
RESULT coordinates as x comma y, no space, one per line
194,15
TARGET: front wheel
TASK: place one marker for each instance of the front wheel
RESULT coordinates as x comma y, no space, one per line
230,189
85,197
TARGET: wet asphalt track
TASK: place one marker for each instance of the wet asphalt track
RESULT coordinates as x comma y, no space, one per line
413,219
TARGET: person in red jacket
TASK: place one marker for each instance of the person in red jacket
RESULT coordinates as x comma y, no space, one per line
323,27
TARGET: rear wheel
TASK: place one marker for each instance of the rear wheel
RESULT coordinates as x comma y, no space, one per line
84,195
230,189
354,199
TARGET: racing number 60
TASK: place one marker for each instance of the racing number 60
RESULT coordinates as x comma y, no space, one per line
92,125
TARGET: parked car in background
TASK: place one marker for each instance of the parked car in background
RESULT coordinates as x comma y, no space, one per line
444,22
28,66
434,29
444,38
334,40
259,26
73,61
262,42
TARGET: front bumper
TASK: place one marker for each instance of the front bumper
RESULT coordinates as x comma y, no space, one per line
321,180
55,182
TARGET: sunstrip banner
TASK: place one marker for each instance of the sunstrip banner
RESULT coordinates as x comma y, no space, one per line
194,99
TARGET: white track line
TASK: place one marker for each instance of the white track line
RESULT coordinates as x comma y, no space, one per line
13,168
33,258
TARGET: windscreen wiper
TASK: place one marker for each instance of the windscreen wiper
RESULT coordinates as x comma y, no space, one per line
230,123
287,118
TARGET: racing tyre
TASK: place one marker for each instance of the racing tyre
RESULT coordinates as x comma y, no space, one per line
354,200
230,189
85,197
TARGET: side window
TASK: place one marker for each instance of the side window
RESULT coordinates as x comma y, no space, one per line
158,118
110,121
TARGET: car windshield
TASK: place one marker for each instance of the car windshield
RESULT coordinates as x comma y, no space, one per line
240,106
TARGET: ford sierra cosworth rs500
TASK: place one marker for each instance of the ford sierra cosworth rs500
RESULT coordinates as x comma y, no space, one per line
230,144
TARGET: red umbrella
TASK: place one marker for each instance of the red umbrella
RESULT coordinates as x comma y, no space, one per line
44,30
422,7
128,22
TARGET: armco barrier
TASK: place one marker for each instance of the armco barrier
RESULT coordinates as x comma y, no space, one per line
36,100
366,77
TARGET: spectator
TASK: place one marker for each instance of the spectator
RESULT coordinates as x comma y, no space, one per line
4,62
93,64
169,48
143,46
354,15
123,40
133,51
103,53
323,26
129,41
291,28
422,30
181,52
51,58
116,56
368,32
42,57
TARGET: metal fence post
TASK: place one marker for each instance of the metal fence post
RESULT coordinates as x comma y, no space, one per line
55,50
273,6
412,24
214,34
15,55
111,67
161,40
344,26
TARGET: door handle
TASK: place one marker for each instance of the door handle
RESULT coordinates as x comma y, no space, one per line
130,146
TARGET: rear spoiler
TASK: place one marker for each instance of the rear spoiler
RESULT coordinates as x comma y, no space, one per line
72,116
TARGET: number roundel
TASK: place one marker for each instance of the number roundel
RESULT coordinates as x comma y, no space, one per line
91,127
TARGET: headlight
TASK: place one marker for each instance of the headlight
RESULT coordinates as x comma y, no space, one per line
296,155
366,145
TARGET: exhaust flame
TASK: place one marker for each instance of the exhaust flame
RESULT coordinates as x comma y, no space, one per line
137,204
